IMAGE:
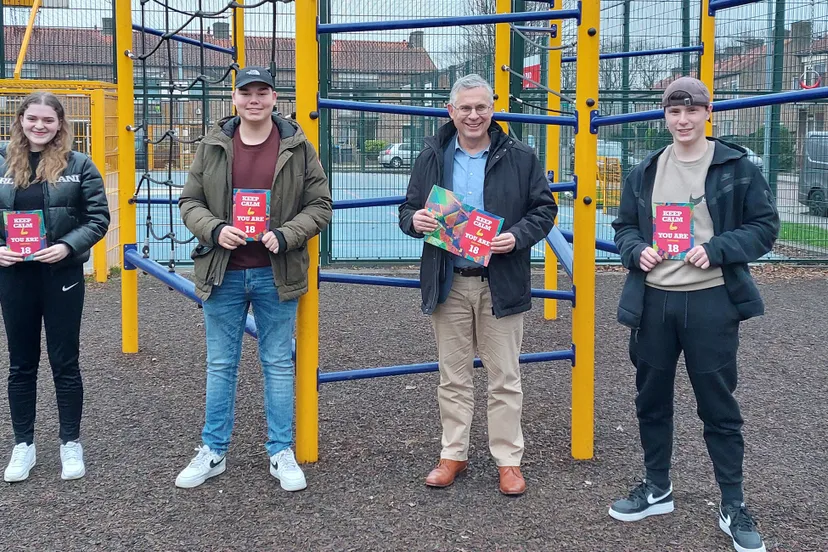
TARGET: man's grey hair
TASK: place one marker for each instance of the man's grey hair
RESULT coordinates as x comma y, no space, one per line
468,82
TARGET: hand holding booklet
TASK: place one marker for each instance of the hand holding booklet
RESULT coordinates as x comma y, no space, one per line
461,229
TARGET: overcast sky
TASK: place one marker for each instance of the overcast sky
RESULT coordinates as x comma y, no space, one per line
655,20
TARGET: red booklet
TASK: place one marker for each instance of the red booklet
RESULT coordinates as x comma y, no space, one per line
251,212
478,234
25,232
673,229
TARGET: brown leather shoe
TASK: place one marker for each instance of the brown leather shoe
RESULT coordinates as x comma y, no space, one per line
511,481
445,472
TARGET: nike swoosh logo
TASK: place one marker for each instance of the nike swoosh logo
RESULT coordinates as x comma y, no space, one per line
696,200
67,288
654,499
213,463
726,520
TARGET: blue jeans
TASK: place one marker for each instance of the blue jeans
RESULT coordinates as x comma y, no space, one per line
225,312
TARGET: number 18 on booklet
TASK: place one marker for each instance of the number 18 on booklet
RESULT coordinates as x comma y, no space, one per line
251,212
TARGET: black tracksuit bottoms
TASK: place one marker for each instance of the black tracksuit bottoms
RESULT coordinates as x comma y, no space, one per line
705,326
35,295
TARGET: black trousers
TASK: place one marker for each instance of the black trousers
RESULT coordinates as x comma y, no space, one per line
705,326
35,295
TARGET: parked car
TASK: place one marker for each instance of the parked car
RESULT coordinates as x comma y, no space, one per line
753,158
813,177
397,155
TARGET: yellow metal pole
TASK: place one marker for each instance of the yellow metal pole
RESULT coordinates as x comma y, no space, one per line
501,57
553,163
27,37
238,37
307,324
583,313
126,172
98,99
150,148
708,59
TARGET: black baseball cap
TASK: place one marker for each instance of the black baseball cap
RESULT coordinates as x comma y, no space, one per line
249,75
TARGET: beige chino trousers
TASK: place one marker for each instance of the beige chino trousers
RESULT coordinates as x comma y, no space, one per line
465,321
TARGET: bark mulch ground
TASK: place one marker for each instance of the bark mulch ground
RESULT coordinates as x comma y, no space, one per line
379,438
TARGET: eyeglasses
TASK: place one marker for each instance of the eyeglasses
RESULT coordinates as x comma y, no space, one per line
465,110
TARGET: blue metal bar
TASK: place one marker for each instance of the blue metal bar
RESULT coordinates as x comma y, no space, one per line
373,202
327,28
564,187
325,103
177,282
716,5
350,375
640,53
368,280
562,249
723,105
600,245
553,294
154,201
183,39
415,283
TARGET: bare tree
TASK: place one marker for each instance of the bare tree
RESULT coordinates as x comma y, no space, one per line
479,40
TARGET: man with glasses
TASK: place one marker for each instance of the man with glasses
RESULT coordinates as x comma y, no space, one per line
472,306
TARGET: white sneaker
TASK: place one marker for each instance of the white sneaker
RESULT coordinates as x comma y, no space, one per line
205,465
23,459
283,467
71,458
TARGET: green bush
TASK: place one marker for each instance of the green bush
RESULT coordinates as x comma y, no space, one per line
374,146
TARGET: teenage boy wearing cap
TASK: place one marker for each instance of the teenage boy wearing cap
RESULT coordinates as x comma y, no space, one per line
255,150
692,304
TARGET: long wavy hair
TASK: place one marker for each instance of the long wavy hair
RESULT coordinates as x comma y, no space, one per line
55,156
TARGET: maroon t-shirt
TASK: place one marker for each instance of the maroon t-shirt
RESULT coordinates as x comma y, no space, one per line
253,168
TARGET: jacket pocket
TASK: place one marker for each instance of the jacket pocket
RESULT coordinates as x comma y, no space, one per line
296,269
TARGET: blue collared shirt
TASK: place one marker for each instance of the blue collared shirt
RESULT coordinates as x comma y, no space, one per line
467,182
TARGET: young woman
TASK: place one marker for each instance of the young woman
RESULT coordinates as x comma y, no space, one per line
48,191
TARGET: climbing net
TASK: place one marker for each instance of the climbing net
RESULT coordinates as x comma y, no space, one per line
185,60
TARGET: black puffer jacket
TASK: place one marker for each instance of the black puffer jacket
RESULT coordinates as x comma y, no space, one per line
75,208
515,188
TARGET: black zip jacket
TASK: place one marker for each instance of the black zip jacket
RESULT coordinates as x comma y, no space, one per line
745,227
75,210
515,188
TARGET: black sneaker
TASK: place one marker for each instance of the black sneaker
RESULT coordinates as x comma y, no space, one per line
736,521
644,501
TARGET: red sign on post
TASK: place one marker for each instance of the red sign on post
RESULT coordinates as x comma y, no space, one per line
251,212
673,229
532,70
478,234
25,232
